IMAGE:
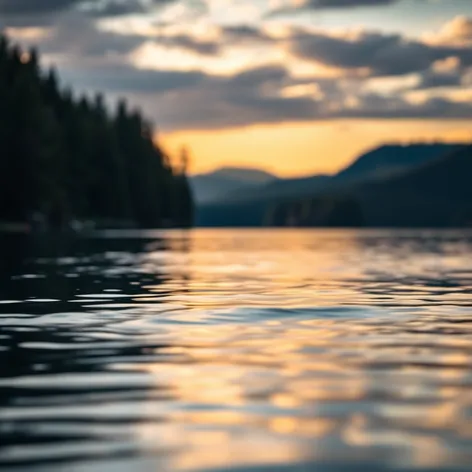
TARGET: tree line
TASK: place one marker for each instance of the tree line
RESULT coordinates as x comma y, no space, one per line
70,158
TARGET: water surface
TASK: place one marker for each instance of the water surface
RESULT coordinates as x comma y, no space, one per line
286,350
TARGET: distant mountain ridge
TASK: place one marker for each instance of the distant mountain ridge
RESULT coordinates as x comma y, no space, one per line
380,162
437,193
246,174
215,185
251,207
433,194
394,158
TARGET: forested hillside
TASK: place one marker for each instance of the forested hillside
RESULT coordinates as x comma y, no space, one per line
322,200
435,194
216,185
68,158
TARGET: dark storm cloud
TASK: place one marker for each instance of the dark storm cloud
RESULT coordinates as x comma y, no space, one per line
382,54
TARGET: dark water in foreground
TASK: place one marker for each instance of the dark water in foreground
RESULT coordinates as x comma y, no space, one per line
237,350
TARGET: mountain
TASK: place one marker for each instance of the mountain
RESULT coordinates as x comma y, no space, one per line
390,159
377,163
280,188
214,186
245,174
251,207
434,194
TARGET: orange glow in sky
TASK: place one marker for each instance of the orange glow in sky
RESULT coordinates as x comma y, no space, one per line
290,149
291,86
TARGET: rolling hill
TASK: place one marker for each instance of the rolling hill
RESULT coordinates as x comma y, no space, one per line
251,207
383,161
391,159
214,186
434,194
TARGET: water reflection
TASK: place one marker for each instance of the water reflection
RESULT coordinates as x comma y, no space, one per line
254,350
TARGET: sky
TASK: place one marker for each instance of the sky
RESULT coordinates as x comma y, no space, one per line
291,86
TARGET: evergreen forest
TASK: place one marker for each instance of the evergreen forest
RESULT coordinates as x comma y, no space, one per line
68,158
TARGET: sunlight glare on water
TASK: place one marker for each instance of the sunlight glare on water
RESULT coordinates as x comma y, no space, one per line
251,350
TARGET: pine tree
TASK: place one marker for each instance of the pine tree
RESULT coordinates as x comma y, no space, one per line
69,158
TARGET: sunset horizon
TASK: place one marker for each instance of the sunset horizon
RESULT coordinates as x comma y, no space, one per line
209,149
250,83
236,235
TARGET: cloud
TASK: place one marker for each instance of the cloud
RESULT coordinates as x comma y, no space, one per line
244,85
34,7
75,39
290,6
193,99
114,8
32,13
219,101
45,12
216,43
303,5
242,34
124,79
91,58
39,7
457,32
445,73
324,4
249,110
197,100
380,54
190,43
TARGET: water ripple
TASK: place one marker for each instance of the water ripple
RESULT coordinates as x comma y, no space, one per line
288,350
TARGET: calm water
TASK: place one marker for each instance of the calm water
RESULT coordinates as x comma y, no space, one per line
237,350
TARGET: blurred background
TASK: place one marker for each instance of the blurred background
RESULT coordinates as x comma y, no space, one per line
260,102
235,235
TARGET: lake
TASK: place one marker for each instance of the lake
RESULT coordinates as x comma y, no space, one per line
241,350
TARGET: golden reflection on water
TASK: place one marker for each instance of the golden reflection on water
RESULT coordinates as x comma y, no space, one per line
317,347
262,348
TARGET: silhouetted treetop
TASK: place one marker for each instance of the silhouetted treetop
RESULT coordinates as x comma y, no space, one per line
66,158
